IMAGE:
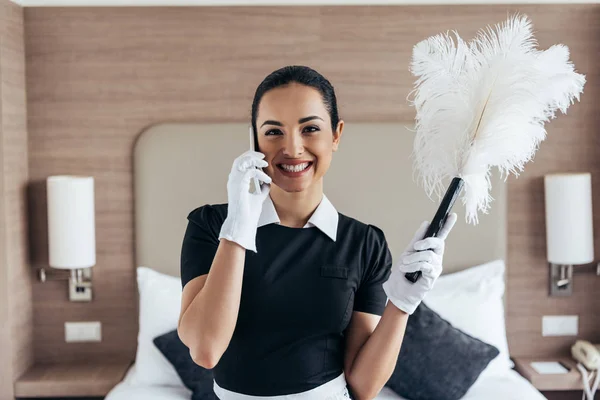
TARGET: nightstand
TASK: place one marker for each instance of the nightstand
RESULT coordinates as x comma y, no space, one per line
74,380
554,386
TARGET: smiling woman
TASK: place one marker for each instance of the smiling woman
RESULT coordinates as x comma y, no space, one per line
311,321
295,117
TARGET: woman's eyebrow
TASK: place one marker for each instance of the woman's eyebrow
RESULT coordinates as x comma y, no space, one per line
300,121
306,119
271,122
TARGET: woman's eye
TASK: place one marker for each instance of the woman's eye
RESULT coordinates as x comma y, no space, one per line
272,131
311,129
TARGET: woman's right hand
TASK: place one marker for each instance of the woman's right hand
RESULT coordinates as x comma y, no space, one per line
244,208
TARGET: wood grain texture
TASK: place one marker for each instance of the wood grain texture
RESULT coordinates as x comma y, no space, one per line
99,76
16,313
566,395
572,145
71,379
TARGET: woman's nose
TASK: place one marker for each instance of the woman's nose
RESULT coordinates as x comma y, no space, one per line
293,145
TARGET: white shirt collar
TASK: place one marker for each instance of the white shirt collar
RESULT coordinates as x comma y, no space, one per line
325,217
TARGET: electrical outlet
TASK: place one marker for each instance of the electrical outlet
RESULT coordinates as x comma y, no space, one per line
560,325
83,331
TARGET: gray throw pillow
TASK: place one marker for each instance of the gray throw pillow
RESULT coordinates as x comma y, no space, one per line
437,361
196,378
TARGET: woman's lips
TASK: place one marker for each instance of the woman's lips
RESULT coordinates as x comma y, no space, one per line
291,174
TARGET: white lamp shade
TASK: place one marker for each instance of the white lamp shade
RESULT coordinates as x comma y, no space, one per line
71,222
569,218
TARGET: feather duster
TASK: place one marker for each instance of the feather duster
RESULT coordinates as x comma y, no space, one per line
483,104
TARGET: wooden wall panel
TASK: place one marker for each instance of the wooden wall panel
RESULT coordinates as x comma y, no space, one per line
16,314
98,76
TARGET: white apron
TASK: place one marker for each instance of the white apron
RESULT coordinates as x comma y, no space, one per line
335,389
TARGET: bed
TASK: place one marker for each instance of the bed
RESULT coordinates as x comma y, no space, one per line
178,167
510,386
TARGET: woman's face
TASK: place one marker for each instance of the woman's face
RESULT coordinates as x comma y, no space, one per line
295,135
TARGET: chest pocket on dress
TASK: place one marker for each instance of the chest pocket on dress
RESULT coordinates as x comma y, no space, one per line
333,271
335,279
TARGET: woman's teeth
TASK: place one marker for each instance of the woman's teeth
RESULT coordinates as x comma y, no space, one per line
295,168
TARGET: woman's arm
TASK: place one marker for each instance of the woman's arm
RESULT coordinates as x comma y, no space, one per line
373,356
210,305
372,348
209,310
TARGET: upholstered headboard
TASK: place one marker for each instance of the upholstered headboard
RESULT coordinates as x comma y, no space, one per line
178,167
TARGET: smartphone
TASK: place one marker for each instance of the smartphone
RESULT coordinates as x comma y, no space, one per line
254,182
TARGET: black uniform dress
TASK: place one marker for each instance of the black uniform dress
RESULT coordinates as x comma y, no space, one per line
298,294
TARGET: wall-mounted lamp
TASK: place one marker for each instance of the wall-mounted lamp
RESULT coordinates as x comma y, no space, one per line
71,231
569,227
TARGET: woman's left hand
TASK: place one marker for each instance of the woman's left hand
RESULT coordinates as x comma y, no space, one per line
425,255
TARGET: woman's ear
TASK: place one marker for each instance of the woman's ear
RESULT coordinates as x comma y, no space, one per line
337,135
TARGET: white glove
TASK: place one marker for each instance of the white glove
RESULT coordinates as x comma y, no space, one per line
244,208
403,293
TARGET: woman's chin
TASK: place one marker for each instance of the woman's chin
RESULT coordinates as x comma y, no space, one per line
292,187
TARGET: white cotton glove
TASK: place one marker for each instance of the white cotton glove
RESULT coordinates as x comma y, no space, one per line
244,208
403,293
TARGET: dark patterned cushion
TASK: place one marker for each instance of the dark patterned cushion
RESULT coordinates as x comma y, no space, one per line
437,361
196,378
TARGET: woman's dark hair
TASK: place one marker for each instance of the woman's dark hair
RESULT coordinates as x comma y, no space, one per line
304,76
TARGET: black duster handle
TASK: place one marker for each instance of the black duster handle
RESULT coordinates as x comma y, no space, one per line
440,217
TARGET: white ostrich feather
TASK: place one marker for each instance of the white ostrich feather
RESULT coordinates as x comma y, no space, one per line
483,104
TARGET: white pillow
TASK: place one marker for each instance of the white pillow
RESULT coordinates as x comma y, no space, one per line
160,303
472,301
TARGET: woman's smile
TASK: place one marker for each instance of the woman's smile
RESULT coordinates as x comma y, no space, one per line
294,169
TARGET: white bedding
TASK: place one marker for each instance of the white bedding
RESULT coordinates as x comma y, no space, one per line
507,386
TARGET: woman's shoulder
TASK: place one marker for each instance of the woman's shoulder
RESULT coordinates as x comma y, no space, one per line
369,231
208,214
370,239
